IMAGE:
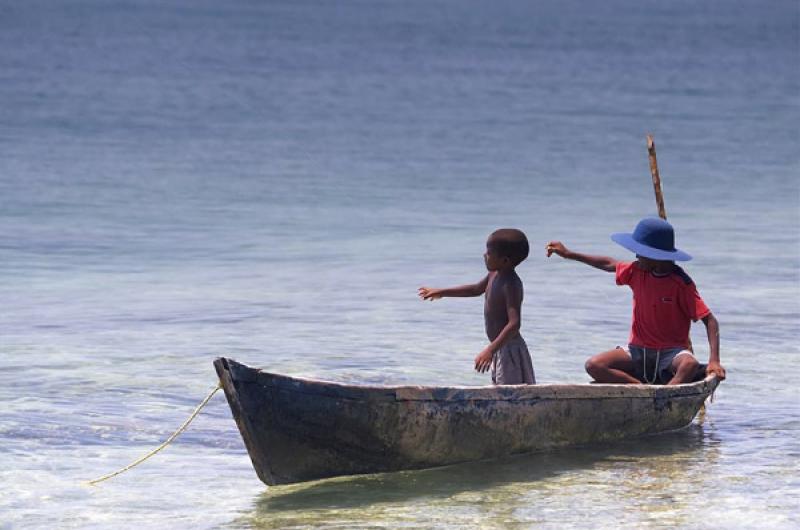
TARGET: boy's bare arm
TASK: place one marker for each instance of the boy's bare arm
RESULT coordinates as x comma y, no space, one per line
474,289
712,329
599,262
513,295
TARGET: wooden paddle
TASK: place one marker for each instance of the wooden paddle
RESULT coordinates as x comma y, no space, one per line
662,212
651,151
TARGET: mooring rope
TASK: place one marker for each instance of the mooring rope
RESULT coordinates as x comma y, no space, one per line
163,445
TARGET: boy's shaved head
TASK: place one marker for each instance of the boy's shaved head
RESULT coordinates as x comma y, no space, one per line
509,243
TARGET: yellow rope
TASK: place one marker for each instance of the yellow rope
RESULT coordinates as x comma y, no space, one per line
162,446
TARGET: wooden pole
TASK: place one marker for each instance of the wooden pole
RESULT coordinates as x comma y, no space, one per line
651,150
662,213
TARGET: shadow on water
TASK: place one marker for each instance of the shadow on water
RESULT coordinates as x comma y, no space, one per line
365,490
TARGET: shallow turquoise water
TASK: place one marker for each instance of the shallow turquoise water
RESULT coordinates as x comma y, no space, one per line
273,181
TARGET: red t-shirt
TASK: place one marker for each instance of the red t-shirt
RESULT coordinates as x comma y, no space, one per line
663,306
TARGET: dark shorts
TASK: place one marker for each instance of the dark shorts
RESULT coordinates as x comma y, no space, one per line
654,367
512,365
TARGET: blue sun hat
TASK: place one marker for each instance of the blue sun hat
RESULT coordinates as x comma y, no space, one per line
653,238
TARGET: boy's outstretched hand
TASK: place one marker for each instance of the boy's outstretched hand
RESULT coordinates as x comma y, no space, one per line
426,293
556,247
483,361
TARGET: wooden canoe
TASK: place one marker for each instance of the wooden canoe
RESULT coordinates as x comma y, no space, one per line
297,430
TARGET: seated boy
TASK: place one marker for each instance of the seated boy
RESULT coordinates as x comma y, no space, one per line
665,302
507,354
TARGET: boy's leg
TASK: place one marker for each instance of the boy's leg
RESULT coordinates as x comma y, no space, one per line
613,366
684,366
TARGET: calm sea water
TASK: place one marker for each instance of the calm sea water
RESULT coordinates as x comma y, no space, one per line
271,181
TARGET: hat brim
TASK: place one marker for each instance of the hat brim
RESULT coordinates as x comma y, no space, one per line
627,241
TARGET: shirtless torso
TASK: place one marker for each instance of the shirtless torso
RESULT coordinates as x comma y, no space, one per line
503,292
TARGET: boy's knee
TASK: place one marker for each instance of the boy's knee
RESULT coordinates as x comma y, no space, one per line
688,363
592,366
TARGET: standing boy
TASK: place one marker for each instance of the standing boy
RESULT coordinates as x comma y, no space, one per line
507,354
665,302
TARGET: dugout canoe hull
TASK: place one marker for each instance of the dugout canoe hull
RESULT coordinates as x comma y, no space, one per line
297,430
